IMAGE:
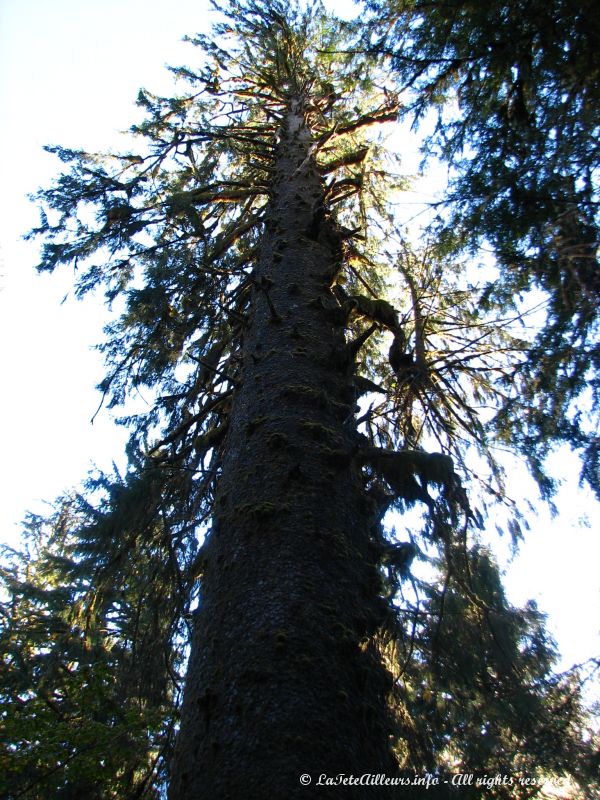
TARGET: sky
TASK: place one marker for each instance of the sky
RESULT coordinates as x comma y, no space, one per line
69,74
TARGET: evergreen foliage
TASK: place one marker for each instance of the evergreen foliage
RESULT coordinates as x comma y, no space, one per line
98,608
513,91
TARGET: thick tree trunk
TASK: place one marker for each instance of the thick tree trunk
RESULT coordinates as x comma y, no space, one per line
283,678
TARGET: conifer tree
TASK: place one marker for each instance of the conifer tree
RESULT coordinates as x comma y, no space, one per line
306,371
513,93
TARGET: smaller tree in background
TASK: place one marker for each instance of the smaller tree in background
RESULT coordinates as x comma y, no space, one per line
513,90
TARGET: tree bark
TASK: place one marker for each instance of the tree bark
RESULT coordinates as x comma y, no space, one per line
284,678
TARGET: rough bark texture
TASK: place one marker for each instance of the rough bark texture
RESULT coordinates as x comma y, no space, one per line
283,677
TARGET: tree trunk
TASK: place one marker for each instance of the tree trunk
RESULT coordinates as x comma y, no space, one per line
284,678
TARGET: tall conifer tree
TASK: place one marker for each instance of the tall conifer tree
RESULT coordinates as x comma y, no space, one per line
291,404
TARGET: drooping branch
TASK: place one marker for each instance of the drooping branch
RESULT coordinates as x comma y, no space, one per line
348,160
230,236
408,472
387,113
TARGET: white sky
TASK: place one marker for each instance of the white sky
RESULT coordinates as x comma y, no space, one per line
69,74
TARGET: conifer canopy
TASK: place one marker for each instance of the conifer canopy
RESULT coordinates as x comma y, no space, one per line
314,376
